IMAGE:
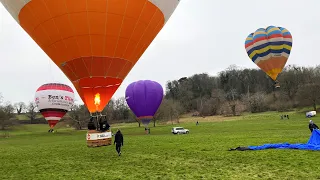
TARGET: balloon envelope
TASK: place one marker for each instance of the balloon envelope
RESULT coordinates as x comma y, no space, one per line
94,42
54,100
144,98
269,49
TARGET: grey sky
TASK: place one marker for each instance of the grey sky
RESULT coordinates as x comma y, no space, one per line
201,36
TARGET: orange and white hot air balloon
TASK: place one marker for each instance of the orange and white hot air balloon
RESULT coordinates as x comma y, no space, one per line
94,42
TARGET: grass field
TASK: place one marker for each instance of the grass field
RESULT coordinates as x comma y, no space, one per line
32,153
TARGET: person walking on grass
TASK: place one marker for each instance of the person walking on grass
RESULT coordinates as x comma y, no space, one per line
312,126
118,141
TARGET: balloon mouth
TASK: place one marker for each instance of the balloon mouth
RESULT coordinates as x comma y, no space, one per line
52,123
145,120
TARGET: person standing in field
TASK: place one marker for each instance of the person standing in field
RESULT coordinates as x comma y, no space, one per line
312,126
118,141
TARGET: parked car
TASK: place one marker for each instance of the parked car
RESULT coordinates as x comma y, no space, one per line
311,114
179,130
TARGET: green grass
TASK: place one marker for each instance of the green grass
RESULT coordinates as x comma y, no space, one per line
25,117
32,153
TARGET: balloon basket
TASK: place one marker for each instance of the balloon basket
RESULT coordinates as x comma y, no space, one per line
97,138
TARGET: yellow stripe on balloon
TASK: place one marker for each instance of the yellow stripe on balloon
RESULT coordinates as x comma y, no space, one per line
273,73
273,29
287,47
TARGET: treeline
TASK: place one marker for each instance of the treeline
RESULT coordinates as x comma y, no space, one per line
230,93
236,90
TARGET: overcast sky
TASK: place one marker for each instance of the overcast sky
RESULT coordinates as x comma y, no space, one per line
201,36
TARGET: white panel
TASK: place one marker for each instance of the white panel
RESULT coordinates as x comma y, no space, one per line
14,7
57,99
53,118
97,136
166,6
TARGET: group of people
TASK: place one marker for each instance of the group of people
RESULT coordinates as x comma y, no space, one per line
103,124
284,116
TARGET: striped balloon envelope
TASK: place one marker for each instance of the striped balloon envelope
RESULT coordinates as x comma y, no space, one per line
54,100
95,43
269,49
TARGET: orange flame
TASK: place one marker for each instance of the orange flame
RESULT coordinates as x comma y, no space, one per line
97,99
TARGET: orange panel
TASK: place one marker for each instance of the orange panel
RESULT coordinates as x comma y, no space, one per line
79,69
57,8
51,30
148,13
88,63
121,47
97,5
115,67
107,64
79,23
129,50
41,37
64,55
98,66
84,45
114,22
64,26
110,45
97,22
116,6
68,72
126,69
73,47
135,8
128,27
76,5
30,22
39,9
97,43
138,32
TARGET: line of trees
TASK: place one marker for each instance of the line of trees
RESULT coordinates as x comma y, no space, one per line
231,92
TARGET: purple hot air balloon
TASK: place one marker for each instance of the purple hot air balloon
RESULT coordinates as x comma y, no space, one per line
144,98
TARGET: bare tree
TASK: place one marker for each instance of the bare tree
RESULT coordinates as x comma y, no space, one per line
20,107
232,97
169,110
79,115
6,114
309,94
257,102
31,111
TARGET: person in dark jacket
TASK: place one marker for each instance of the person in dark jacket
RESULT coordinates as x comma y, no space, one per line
118,140
312,126
91,125
104,125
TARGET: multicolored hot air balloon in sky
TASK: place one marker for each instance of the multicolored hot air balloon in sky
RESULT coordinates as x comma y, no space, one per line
144,98
269,49
94,42
54,100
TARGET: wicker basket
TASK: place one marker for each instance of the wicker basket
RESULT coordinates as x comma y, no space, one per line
97,139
